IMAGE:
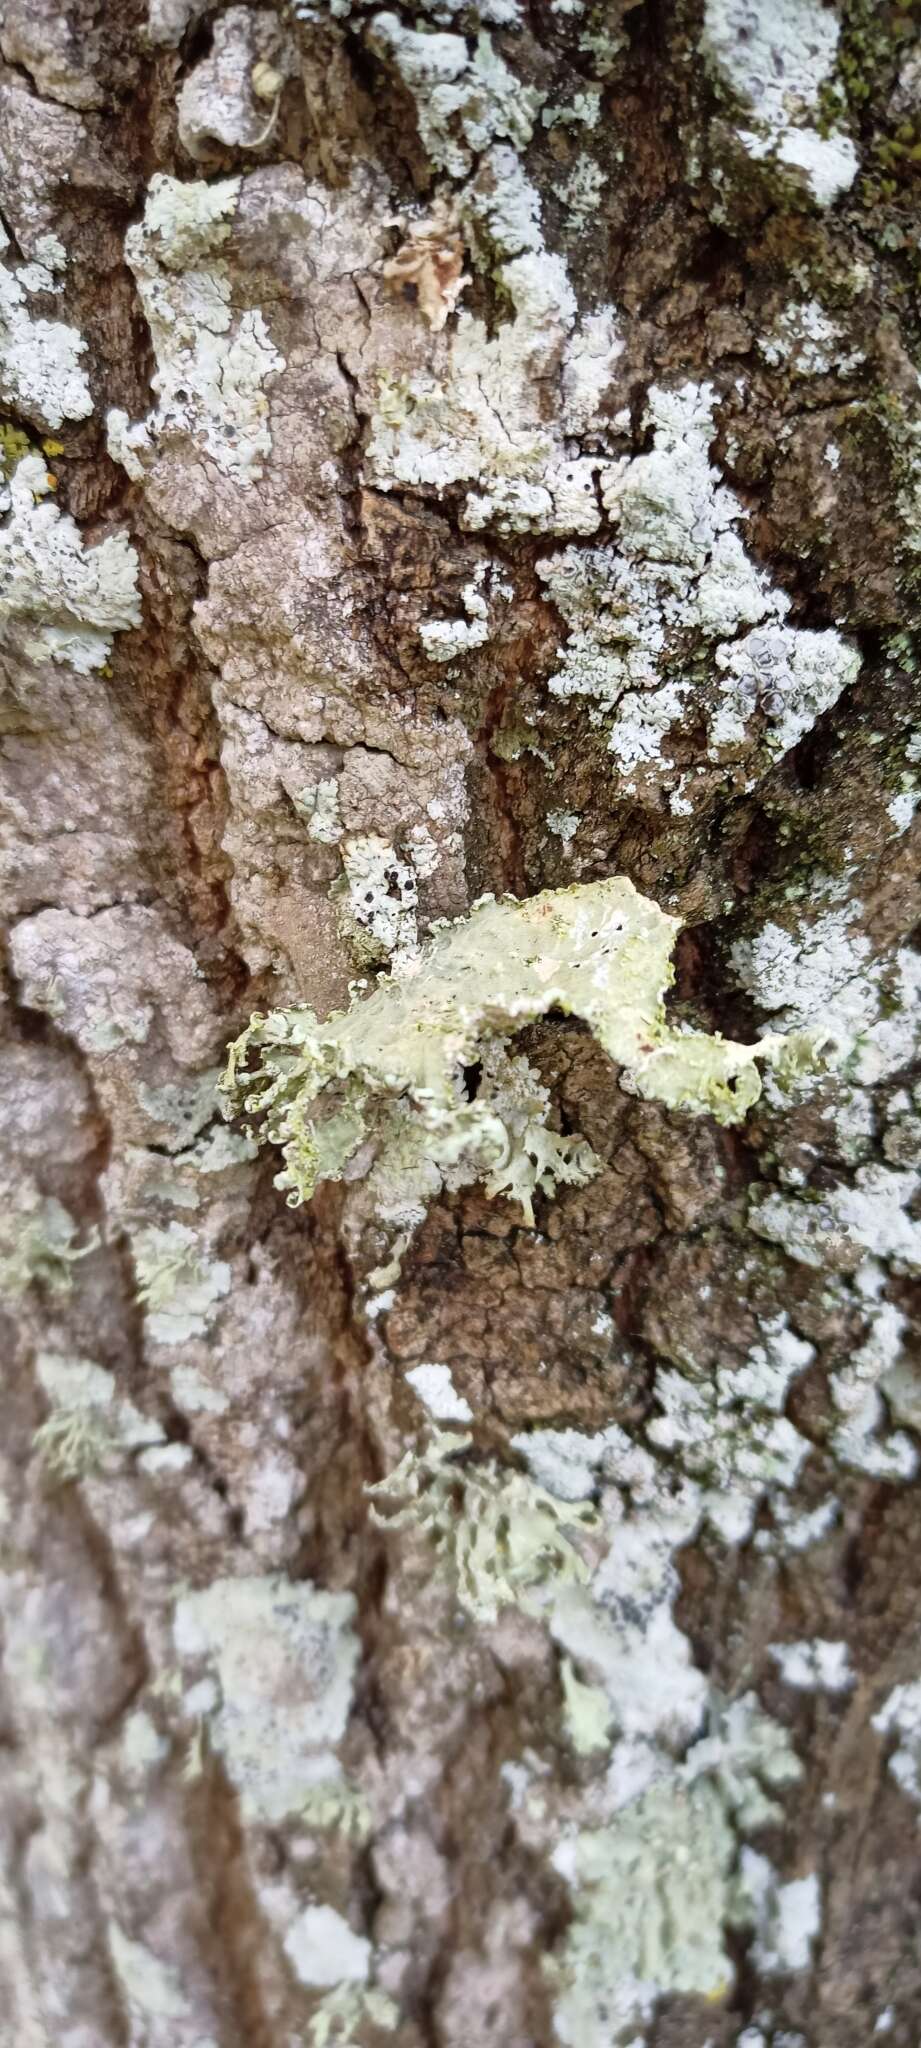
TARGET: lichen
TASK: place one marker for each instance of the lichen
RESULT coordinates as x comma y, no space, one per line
178,1288
71,1443
342,2013
41,373
806,337
475,414
775,56
212,360
900,1715
436,1390
823,969
151,1987
62,602
284,1655
654,1888
464,100
730,1435
496,1534
323,1950
38,1247
679,586
377,897
599,952
817,1666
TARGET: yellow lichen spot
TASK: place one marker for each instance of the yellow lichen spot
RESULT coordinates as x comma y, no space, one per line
52,447
265,80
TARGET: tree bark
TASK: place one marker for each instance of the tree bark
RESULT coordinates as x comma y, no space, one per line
470,452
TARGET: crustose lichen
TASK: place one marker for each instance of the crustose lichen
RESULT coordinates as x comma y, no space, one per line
599,951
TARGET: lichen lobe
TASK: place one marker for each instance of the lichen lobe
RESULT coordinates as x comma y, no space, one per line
599,951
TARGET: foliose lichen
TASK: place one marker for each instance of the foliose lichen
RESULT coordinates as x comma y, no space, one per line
62,601
320,1090
656,1885
496,1533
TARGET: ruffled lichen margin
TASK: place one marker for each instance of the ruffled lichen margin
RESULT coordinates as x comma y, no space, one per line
600,952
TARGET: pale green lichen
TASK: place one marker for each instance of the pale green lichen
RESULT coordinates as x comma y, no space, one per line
341,2014
283,1654
72,1443
600,952
89,1420
37,1246
497,1535
178,1287
656,1886
586,1712
338,1808
213,359
152,1988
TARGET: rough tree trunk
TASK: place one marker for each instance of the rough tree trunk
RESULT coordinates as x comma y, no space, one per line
452,451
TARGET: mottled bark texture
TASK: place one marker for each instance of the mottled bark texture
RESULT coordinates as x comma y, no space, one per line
455,450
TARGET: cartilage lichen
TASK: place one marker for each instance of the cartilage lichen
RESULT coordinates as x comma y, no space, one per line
599,951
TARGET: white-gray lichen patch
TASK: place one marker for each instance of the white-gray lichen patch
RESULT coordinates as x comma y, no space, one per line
213,360
655,1886
822,969
323,1950
900,1715
816,1666
774,57
41,372
464,99
476,416
475,411
841,1225
679,587
807,338
860,1438
284,1656
377,896
89,1417
179,1287
59,600
787,1918
230,99
38,1243
600,952
730,1435
436,1390
152,1988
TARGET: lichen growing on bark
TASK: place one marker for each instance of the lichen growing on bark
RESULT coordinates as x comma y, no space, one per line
600,952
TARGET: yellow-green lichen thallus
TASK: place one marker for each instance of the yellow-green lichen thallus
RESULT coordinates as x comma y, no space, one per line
391,1067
